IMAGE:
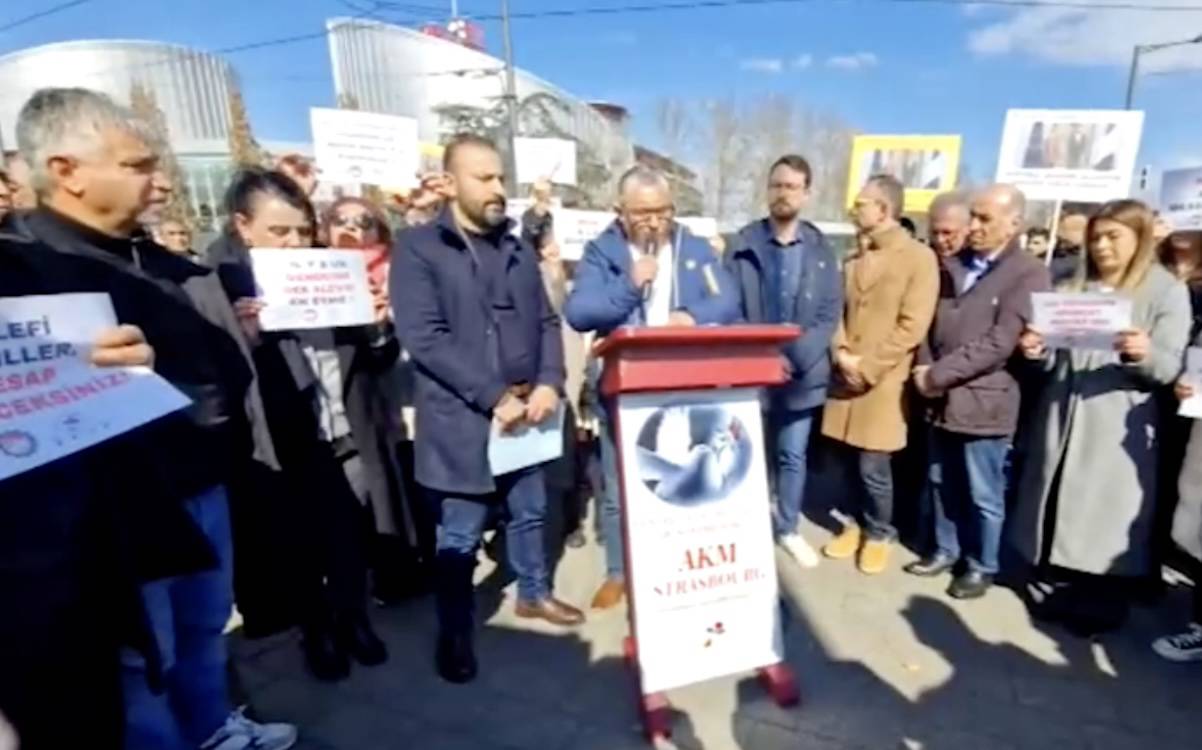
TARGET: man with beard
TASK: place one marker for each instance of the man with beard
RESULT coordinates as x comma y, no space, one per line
489,356
787,273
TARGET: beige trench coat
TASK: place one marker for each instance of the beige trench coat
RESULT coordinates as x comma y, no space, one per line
891,290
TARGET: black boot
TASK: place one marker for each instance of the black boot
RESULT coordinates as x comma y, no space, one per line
455,658
355,634
323,655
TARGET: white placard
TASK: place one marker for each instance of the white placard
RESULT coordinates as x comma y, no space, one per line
1080,320
1181,198
52,402
1072,155
703,571
312,288
365,147
551,159
528,445
1192,406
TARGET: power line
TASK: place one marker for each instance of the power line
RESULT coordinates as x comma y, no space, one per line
613,10
42,14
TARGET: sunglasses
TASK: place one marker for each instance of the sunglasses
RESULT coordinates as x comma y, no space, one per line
362,221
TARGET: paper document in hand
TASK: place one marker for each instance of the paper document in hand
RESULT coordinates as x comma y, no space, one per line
1080,320
312,288
527,445
52,401
1192,407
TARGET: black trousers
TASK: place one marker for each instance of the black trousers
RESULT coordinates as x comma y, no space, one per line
869,499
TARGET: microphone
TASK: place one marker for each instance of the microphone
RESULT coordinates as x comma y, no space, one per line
649,249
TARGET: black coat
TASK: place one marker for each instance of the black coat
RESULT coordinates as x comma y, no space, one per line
445,322
78,537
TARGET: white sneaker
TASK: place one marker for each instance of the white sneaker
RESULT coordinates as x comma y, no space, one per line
240,733
1182,647
799,550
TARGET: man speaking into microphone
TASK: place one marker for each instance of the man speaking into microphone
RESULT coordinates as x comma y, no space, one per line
644,270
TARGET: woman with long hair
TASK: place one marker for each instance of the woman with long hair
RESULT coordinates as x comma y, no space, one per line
317,387
1087,492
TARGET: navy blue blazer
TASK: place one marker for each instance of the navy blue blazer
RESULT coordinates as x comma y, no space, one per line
445,322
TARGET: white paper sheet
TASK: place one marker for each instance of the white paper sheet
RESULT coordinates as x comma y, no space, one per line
312,288
526,446
1080,320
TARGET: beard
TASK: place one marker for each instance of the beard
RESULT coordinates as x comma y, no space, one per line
782,211
490,214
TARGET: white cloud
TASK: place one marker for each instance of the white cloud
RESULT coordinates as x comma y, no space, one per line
1074,36
801,62
770,65
854,61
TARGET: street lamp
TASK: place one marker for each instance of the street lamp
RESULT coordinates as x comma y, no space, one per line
1141,49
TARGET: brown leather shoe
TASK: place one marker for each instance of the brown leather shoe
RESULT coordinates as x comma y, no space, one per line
610,595
550,609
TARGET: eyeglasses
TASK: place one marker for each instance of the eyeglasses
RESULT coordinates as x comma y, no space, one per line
640,214
363,221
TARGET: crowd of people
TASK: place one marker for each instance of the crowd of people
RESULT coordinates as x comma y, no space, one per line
294,490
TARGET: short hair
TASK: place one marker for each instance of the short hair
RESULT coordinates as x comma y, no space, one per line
644,176
70,120
1034,232
795,162
248,184
464,140
1016,200
944,202
895,192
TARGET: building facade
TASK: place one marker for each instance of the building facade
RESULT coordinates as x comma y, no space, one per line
192,89
449,87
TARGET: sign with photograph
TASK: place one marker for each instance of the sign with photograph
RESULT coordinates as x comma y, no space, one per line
1070,155
1080,320
1181,198
311,288
926,165
365,147
52,401
703,570
551,159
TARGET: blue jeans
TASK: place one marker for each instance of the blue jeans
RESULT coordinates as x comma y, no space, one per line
187,615
968,490
791,436
524,493
611,505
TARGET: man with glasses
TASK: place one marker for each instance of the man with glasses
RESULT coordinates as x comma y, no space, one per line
644,270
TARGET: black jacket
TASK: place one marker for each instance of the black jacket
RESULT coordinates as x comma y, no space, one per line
445,321
78,537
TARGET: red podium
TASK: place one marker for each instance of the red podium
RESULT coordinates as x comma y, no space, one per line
700,571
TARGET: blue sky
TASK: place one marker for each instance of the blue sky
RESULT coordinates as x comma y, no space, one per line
885,66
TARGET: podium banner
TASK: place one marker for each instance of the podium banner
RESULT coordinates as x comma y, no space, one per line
699,535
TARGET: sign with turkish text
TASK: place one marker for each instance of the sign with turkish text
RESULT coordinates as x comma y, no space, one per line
703,571
552,159
52,401
1080,320
926,165
1070,155
1181,198
312,288
365,147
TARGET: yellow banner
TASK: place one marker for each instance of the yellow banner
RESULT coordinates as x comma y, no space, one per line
927,165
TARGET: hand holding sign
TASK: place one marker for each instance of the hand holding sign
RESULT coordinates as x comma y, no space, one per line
1133,345
122,346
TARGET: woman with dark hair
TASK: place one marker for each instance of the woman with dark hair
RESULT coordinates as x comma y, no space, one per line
316,392
1088,487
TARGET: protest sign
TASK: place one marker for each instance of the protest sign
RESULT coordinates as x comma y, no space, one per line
365,147
551,159
703,571
1080,320
1192,406
312,288
1181,198
1070,155
52,401
926,165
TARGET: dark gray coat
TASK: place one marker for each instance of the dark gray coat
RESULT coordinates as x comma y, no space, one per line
973,338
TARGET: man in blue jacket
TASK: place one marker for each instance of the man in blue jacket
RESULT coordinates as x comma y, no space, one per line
644,270
471,310
787,273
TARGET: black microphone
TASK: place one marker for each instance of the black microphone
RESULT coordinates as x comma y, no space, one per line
649,250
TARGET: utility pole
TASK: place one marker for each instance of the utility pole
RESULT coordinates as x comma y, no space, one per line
511,99
1143,49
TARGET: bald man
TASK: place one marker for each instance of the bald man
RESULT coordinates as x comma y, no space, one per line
984,305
